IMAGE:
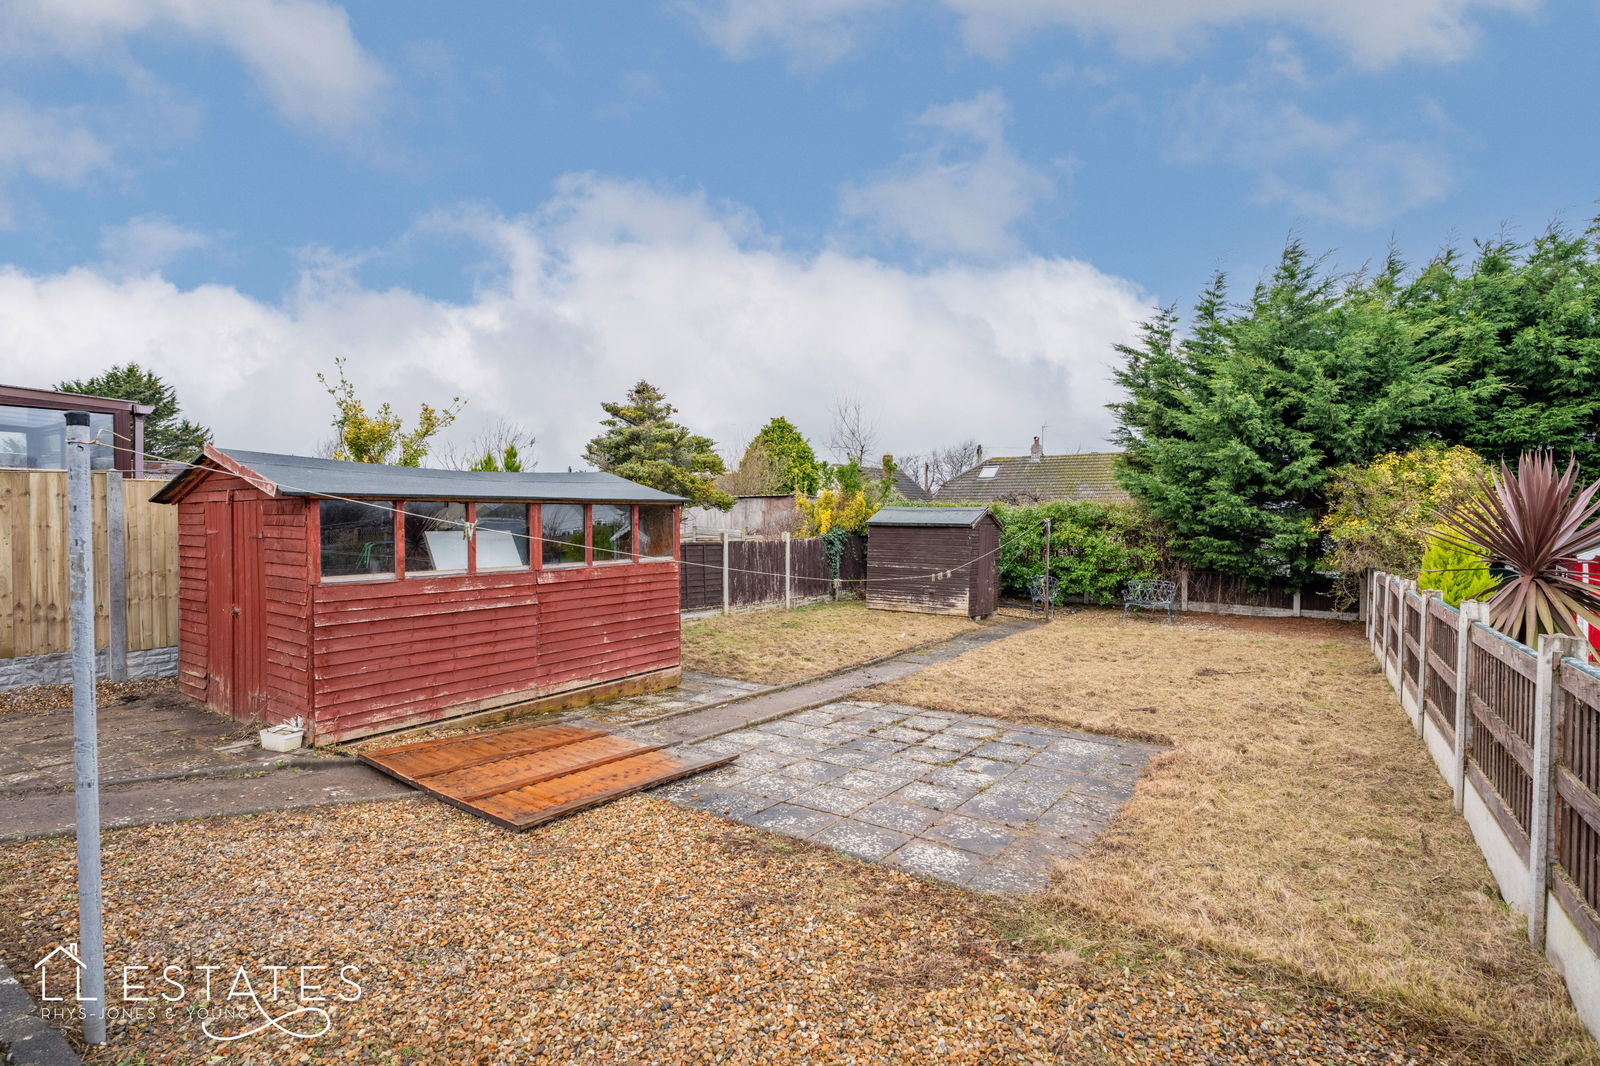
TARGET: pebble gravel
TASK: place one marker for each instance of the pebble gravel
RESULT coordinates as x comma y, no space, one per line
640,932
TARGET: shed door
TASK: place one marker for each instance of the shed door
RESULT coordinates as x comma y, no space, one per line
219,606
249,616
236,614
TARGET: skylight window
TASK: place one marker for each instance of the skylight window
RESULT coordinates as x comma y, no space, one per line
988,472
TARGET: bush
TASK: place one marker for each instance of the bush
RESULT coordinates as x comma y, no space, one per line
1458,574
1095,549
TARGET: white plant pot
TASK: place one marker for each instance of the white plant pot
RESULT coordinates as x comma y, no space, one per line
282,737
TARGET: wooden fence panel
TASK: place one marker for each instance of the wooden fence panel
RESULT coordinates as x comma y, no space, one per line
1577,799
758,571
1500,694
700,576
811,575
1439,697
35,612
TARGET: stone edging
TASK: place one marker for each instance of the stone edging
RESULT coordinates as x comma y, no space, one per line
26,1039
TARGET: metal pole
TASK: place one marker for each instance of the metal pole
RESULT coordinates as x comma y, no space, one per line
1049,593
85,748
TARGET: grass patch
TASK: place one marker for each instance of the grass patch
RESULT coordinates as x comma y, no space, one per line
776,647
1297,823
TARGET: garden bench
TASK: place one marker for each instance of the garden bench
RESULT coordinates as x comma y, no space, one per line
1149,593
1042,590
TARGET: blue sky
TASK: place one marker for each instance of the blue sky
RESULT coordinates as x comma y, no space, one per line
951,210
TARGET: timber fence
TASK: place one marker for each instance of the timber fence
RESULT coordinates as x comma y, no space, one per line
731,574
135,578
1516,732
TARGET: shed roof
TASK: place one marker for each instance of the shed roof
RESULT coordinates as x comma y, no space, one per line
299,475
1023,479
928,516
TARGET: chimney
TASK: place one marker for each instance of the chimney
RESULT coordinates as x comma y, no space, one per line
1036,452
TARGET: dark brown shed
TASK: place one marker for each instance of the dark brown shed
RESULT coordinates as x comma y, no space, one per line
935,560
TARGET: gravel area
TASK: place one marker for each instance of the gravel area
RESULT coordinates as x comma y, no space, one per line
48,697
640,932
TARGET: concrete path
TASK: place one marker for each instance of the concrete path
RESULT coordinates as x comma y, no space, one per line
163,758
694,691
774,703
967,799
303,784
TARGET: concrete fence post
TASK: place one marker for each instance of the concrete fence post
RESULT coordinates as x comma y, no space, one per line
1386,590
1404,605
1553,647
788,571
117,579
1471,611
1423,666
727,574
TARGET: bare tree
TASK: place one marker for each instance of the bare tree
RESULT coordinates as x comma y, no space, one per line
854,434
493,439
942,464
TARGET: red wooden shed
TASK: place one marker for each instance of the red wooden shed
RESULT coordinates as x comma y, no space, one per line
362,598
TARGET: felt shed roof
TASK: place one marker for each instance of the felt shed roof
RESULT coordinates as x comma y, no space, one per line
947,517
300,475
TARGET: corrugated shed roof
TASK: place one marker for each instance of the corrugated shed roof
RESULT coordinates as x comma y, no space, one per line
927,516
299,475
1088,476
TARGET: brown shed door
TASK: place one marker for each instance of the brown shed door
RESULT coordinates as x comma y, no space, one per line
236,614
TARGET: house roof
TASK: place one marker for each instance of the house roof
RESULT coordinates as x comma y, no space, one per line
299,475
1020,479
904,483
928,516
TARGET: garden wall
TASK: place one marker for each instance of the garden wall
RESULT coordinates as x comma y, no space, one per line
1516,732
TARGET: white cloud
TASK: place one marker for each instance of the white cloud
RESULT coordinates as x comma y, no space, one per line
52,144
812,33
301,53
963,192
606,284
147,245
1338,169
1375,33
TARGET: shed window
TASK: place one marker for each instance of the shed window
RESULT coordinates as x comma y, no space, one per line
436,536
613,533
502,536
561,526
655,532
357,539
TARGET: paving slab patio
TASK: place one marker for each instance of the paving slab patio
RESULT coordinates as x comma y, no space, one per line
967,799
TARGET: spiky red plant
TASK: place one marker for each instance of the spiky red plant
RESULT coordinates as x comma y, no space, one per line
1536,524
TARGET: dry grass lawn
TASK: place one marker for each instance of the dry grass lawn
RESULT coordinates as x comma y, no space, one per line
776,647
1296,823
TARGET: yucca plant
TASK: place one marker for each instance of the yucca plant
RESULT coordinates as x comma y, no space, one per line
1535,524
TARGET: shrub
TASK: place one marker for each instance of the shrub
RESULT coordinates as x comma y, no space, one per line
1095,549
1458,574
1379,514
